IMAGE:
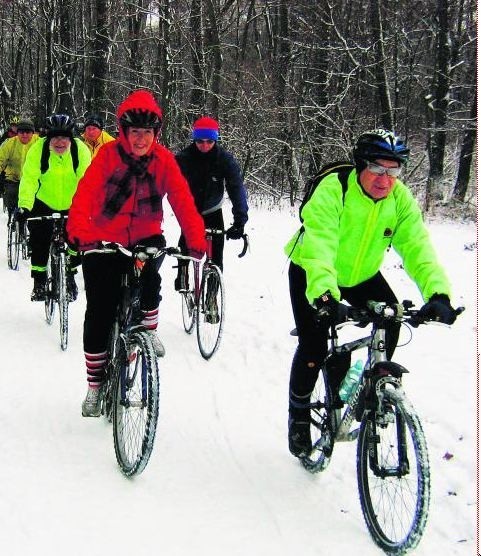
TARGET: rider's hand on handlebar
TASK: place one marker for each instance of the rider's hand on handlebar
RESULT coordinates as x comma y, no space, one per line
236,231
21,214
329,309
438,309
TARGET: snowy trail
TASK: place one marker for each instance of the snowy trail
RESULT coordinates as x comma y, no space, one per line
220,480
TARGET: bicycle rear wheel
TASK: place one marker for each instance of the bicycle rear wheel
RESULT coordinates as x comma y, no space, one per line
13,244
62,299
50,290
136,405
322,427
393,474
210,311
188,300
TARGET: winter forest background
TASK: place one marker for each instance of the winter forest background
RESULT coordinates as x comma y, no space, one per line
292,83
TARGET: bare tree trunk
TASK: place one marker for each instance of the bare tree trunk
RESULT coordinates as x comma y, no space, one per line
213,45
466,155
438,105
197,53
97,85
380,67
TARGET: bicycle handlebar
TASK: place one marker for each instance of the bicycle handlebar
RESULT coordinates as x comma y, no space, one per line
244,237
378,311
53,216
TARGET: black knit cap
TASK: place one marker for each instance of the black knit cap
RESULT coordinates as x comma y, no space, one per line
25,125
95,120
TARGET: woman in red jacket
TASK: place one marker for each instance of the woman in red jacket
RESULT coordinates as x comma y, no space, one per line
119,199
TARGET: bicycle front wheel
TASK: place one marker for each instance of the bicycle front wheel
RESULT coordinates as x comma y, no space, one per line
188,299
50,290
393,474
210,311
136,405
62,299
13,244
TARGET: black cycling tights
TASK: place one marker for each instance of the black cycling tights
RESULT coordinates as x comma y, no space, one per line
312,348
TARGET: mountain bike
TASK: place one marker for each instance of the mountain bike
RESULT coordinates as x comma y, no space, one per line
203,297
392,456
17,242
56,284
131,391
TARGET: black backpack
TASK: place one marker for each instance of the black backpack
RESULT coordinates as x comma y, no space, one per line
342,169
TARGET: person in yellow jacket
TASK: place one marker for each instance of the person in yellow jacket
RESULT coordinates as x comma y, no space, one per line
52,170
338,253
12,157
94,134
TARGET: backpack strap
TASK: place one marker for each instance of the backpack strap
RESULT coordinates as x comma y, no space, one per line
46,155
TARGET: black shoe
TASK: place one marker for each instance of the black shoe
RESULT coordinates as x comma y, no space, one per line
72,290
300,443
38,294
39,284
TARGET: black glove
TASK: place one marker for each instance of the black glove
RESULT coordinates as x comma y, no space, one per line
21,215
439,309
235,231
328,308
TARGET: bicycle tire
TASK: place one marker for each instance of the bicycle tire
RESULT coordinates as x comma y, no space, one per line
50,289
395,507
188,301
111,370
25,243
62,299
322,427
135,416
210,322
13,244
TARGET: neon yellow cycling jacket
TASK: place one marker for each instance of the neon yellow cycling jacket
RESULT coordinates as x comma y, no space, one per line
344,243
58,184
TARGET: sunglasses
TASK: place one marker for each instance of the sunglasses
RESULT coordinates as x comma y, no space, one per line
381,170
208,141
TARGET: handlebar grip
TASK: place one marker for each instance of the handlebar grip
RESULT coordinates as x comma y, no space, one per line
245,239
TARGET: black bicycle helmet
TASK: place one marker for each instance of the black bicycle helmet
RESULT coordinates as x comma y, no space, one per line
59,124
380,143
137,117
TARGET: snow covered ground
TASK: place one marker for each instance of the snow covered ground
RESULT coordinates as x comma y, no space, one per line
221,480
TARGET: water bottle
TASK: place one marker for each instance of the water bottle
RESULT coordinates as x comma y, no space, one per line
351,380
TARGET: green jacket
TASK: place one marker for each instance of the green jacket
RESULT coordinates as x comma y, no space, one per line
58,184
343,244
12,156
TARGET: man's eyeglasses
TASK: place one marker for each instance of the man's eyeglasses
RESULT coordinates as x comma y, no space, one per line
208,141
381,170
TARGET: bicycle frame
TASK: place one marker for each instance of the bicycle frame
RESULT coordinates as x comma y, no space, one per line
376,345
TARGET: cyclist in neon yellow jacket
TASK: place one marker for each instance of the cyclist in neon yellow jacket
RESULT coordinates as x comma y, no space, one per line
52,170
12,158
338,255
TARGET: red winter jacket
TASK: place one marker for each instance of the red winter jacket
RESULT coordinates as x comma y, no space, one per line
89,218
114,203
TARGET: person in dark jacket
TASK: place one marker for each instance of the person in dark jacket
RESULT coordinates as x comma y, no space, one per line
210,171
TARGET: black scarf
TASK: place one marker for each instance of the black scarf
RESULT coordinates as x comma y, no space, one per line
136,167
